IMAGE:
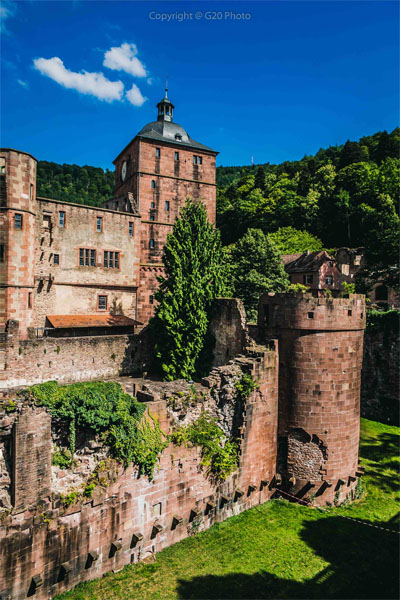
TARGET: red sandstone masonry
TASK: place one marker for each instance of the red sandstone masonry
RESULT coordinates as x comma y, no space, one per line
111,525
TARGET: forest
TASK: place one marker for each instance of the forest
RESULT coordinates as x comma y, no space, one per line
344,195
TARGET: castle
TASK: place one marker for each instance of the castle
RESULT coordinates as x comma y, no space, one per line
297,431
65,268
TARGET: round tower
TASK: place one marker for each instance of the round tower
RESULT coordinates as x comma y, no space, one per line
320,360
17,237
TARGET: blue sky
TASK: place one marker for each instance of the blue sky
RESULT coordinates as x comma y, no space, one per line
80,78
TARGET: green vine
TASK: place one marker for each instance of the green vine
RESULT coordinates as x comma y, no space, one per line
218,454
104,408
245,386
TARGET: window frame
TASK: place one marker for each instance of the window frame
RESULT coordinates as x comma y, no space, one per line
98,302
158,152
152,244
18,217
64,219
131,230
56,261
111,259
87,257
329,280
177,156
97,224
167,205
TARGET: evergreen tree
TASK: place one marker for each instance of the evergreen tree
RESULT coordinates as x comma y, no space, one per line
259,179
193,278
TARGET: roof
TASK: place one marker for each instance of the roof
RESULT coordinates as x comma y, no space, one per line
308,261
70,321
288,258
166,131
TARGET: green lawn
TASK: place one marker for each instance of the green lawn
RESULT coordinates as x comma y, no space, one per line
282,550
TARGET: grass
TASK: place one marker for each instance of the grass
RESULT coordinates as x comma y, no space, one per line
282,550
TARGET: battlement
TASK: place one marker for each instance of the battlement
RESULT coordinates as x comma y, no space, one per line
304,311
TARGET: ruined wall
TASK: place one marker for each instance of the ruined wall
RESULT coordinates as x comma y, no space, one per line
320,349
46,549
228,328
380,373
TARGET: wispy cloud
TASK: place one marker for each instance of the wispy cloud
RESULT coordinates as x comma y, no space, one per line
135,96
124,58
24,84
7,10
93,84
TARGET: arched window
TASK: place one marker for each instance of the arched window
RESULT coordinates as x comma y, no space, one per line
151,243
381,293
153,184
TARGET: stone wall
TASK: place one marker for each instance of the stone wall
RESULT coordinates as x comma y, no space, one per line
229,329
47,548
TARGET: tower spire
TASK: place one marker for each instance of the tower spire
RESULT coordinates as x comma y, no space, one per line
166,87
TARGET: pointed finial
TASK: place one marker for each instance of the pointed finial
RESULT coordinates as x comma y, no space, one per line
166,87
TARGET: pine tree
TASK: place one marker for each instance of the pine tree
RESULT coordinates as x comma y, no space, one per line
193,278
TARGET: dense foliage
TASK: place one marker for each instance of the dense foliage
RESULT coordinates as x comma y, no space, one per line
289,240
218,455
193,278
254,267
71,183
345,195
104,408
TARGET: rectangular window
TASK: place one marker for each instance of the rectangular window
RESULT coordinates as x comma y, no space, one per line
29,299
99,224
130,228
200,159
18,221
151,299
31,191
176,155
329,280
158,152
61,218
194,159
151,243
153,184
2,253
308,279
151,217
167,205
111,259
87,257
56,259
102,302
46,221
153,205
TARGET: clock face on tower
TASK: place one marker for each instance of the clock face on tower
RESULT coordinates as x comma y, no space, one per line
123,171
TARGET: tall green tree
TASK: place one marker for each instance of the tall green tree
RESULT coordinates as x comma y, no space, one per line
255,267
291,241
194,276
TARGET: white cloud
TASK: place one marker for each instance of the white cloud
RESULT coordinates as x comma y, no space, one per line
135,96
94,84
7,9
124,58
24,84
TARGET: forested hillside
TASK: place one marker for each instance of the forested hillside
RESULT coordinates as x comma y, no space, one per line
70,183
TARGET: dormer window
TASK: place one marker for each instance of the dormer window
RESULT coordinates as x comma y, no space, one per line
178,137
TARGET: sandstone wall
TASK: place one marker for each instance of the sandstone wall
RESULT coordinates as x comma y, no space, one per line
46,549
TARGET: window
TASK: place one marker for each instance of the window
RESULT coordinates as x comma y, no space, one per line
197,160
130,228
176,155
31,191
87,257
200,159
158,152
151,217
330,263
46,221
61,218
151,299
153,184
194,159
99,224
102,302
381,293
178,137
310,315
2,253
167,205
18,221
151,243
308,279
29,299
111,259
153,205
56,259
329,280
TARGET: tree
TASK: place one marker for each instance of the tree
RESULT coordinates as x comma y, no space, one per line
256,267
193,278
288,240
259,179
352,152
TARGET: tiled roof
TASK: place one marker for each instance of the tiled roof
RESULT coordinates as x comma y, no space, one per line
288,258
306,262
71,321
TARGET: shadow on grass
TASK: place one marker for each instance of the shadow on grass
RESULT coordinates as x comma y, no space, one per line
383,453
363,564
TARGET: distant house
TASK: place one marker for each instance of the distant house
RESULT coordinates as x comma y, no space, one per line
316,270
